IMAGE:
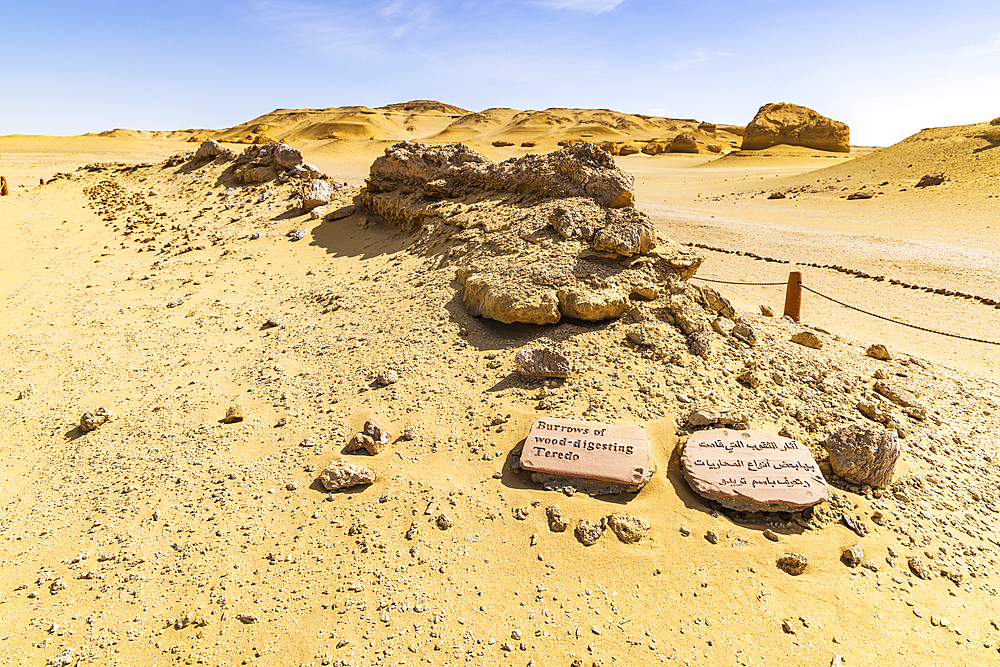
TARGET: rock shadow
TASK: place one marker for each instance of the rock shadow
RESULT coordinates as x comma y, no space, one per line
347,238
74,433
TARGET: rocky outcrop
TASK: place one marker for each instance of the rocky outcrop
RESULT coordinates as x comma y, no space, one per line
795,125
265,162
211,149
577,171
684,143
535,238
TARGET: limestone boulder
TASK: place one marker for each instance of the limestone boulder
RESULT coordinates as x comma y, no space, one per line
684,143
542,362
863,455
209,150
795,125
316,193
342,475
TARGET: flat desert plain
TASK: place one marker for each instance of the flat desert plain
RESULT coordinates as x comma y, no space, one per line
169,537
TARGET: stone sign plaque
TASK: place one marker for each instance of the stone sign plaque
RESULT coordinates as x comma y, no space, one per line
753,471
590,450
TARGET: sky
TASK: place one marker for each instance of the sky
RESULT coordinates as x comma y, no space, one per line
887,68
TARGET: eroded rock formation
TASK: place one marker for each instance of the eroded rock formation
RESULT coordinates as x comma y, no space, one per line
795,125
536,238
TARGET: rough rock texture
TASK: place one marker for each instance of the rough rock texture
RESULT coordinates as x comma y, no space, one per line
211,149
863,455
930,179
879,351
536,238
542,363
629,529
557,524
233,414
684,143
853,556
265,162
588,533
317,192
793,564
341,475
808,339
91,420
577,171
795,125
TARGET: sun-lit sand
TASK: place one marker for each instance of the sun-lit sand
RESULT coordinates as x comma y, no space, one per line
167,537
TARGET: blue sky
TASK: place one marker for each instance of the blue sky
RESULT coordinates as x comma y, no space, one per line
886,68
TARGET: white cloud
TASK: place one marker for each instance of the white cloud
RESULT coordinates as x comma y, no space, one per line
588,6
700,56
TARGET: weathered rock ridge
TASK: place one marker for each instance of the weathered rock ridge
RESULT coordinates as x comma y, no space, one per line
794,125
536,238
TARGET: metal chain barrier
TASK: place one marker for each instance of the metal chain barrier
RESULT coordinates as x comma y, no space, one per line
729,282
888,319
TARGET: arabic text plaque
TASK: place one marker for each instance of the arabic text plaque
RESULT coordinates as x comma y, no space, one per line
753,470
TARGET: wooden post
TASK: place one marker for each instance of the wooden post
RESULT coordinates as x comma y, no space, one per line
793,296
3,186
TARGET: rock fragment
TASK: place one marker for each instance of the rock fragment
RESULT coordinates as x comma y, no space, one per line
233,414
792,563
629,529
878,351
91,420
930,179
315,193
808,339
341,475
588,533
918,567
853,555
863,455
542,363
444,522
557,523
386,377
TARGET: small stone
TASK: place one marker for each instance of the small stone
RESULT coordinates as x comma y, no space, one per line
515,635
341,475
588,533
409,433
712,537
291,486
700,343
685,531
233,414
853,556
57,585
787,628
246,618
297,234
386,377
91,420
317,213
444,522
271,322
542,363
308,442
793,564
766,311
808,339
629,529
26,393
918,567
879,351
282,422
556,522
377,431
520,513
771,535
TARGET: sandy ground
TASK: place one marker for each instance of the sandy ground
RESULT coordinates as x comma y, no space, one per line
147,540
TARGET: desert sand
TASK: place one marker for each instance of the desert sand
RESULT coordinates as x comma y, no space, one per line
167,536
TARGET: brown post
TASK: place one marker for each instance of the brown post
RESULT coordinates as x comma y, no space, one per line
793,296
41,181
3,186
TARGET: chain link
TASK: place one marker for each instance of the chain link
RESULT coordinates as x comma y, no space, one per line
905,324
729,282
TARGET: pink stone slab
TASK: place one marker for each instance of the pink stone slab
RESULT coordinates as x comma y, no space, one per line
753,470
590,450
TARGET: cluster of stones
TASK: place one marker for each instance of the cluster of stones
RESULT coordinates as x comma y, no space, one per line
260,163
535,238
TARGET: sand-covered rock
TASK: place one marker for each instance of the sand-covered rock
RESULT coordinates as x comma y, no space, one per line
536,238
795,125
316,192
265,162
685,142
